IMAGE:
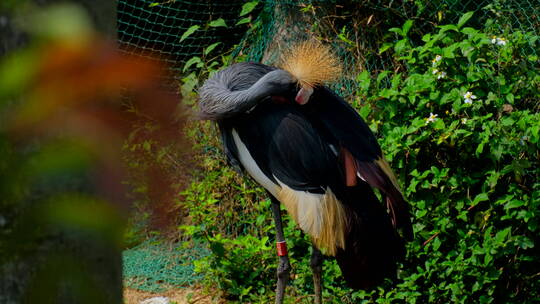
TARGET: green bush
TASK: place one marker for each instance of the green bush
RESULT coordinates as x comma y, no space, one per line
460,125
461,128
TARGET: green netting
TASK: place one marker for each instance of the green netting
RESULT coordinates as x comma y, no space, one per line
153,28
157,265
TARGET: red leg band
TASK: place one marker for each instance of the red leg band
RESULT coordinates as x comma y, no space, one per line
281,248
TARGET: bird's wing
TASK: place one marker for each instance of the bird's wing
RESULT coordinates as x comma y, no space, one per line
358,147
286,147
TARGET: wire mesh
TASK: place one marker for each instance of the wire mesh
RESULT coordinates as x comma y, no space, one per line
155,266
355,29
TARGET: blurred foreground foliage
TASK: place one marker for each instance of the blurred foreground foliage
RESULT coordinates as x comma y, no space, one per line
459,122
68,102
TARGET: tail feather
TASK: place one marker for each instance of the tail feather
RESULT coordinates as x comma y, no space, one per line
379,175
372,246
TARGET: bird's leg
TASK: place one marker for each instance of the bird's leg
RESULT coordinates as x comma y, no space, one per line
316,268
284,266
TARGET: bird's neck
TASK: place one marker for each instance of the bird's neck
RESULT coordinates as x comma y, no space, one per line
246,99
219,102
258,91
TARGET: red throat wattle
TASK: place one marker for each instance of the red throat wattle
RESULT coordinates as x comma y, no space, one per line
303,95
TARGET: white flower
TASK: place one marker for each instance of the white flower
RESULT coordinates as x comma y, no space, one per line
432,117
469,97
441,75
436,60
464,120
498,40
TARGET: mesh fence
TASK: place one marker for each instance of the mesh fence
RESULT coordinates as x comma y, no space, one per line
157,29
155,266
154,29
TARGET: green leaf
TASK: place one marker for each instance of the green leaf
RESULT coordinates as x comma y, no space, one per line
400,46
493,178
382,76
364,112
500,237
464,19
248,7
448,27
510,98
480,148
217,23
438,124
448,52
343,36
515,203
190,62
507,121
436,244
480,198
189,31
396,30
469,31
364,79
525,242
487,259
244,20
211,47
406,27
426,37
385,47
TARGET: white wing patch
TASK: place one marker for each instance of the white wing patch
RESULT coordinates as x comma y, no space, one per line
305,208
320,215
251,166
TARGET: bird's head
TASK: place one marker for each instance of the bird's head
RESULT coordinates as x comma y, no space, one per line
311,64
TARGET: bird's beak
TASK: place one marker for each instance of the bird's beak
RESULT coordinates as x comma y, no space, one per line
303,95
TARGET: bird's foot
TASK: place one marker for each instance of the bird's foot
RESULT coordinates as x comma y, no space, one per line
283,273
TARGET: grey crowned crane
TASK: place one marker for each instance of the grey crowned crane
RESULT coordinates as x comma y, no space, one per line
315,155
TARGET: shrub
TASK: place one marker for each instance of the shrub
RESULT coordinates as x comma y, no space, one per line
461,128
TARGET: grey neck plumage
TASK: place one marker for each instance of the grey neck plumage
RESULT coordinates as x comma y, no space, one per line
236,90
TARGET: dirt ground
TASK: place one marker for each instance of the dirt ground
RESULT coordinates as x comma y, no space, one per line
177,296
